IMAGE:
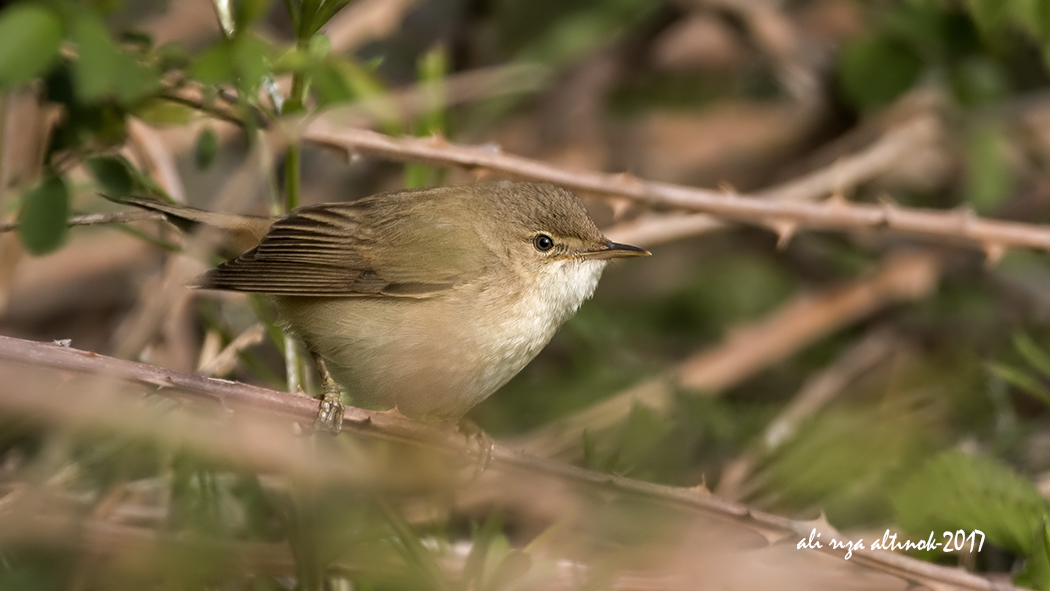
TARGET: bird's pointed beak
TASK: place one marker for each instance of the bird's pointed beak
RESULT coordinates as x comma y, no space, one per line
615,250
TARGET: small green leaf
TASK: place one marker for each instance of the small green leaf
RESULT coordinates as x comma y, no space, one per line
206,147
97,63
243,60
112,173
1036,573
432,70
1032,353
320,46
988,14
875,70
474,567
43,219
214,66
1020,379
246,12
1033,16
988,179
30,37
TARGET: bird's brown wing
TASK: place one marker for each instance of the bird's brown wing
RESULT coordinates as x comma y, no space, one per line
364,248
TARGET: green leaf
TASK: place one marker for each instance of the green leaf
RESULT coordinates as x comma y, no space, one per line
206,147
432,70
988,178
112,173
1032,353
215,65
97,63
30,37
1036,573
43,219
988,14
246,12
875,70
474,567
1020,379
243,61
1033,16
102,70
959,491
320,45
330,84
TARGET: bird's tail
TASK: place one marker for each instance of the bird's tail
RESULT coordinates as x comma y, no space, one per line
242,231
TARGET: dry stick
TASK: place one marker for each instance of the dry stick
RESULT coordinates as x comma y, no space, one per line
92,219
160,162
224,362
957,226
816,393
749,349
843,174
234,396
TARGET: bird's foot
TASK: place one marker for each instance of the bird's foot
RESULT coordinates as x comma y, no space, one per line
330,414
479,444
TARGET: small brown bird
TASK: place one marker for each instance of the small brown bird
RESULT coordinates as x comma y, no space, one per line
422,300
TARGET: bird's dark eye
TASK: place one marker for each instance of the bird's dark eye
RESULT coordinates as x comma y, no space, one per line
543,242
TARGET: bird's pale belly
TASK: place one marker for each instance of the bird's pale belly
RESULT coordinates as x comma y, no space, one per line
430,359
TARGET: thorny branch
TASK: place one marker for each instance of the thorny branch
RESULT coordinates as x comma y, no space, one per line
242,399
785,217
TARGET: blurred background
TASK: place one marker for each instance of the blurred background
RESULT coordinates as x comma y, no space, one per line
883,380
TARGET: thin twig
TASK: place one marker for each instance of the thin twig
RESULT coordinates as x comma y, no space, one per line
93,219
842,175
224,362
241,397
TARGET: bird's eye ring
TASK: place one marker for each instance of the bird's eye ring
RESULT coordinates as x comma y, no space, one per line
543,242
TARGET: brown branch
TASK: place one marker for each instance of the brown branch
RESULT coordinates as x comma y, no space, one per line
79,406
842,175
92,219
784,216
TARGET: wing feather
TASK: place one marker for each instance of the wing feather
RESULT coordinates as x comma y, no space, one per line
413,249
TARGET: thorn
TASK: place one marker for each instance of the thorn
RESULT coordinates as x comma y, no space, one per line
701,489
619,206
967,216
785,231
837,199
993,253
437,140
627,178
822,524
62,342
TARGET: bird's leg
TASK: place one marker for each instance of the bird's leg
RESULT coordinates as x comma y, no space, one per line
330,415
479,442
